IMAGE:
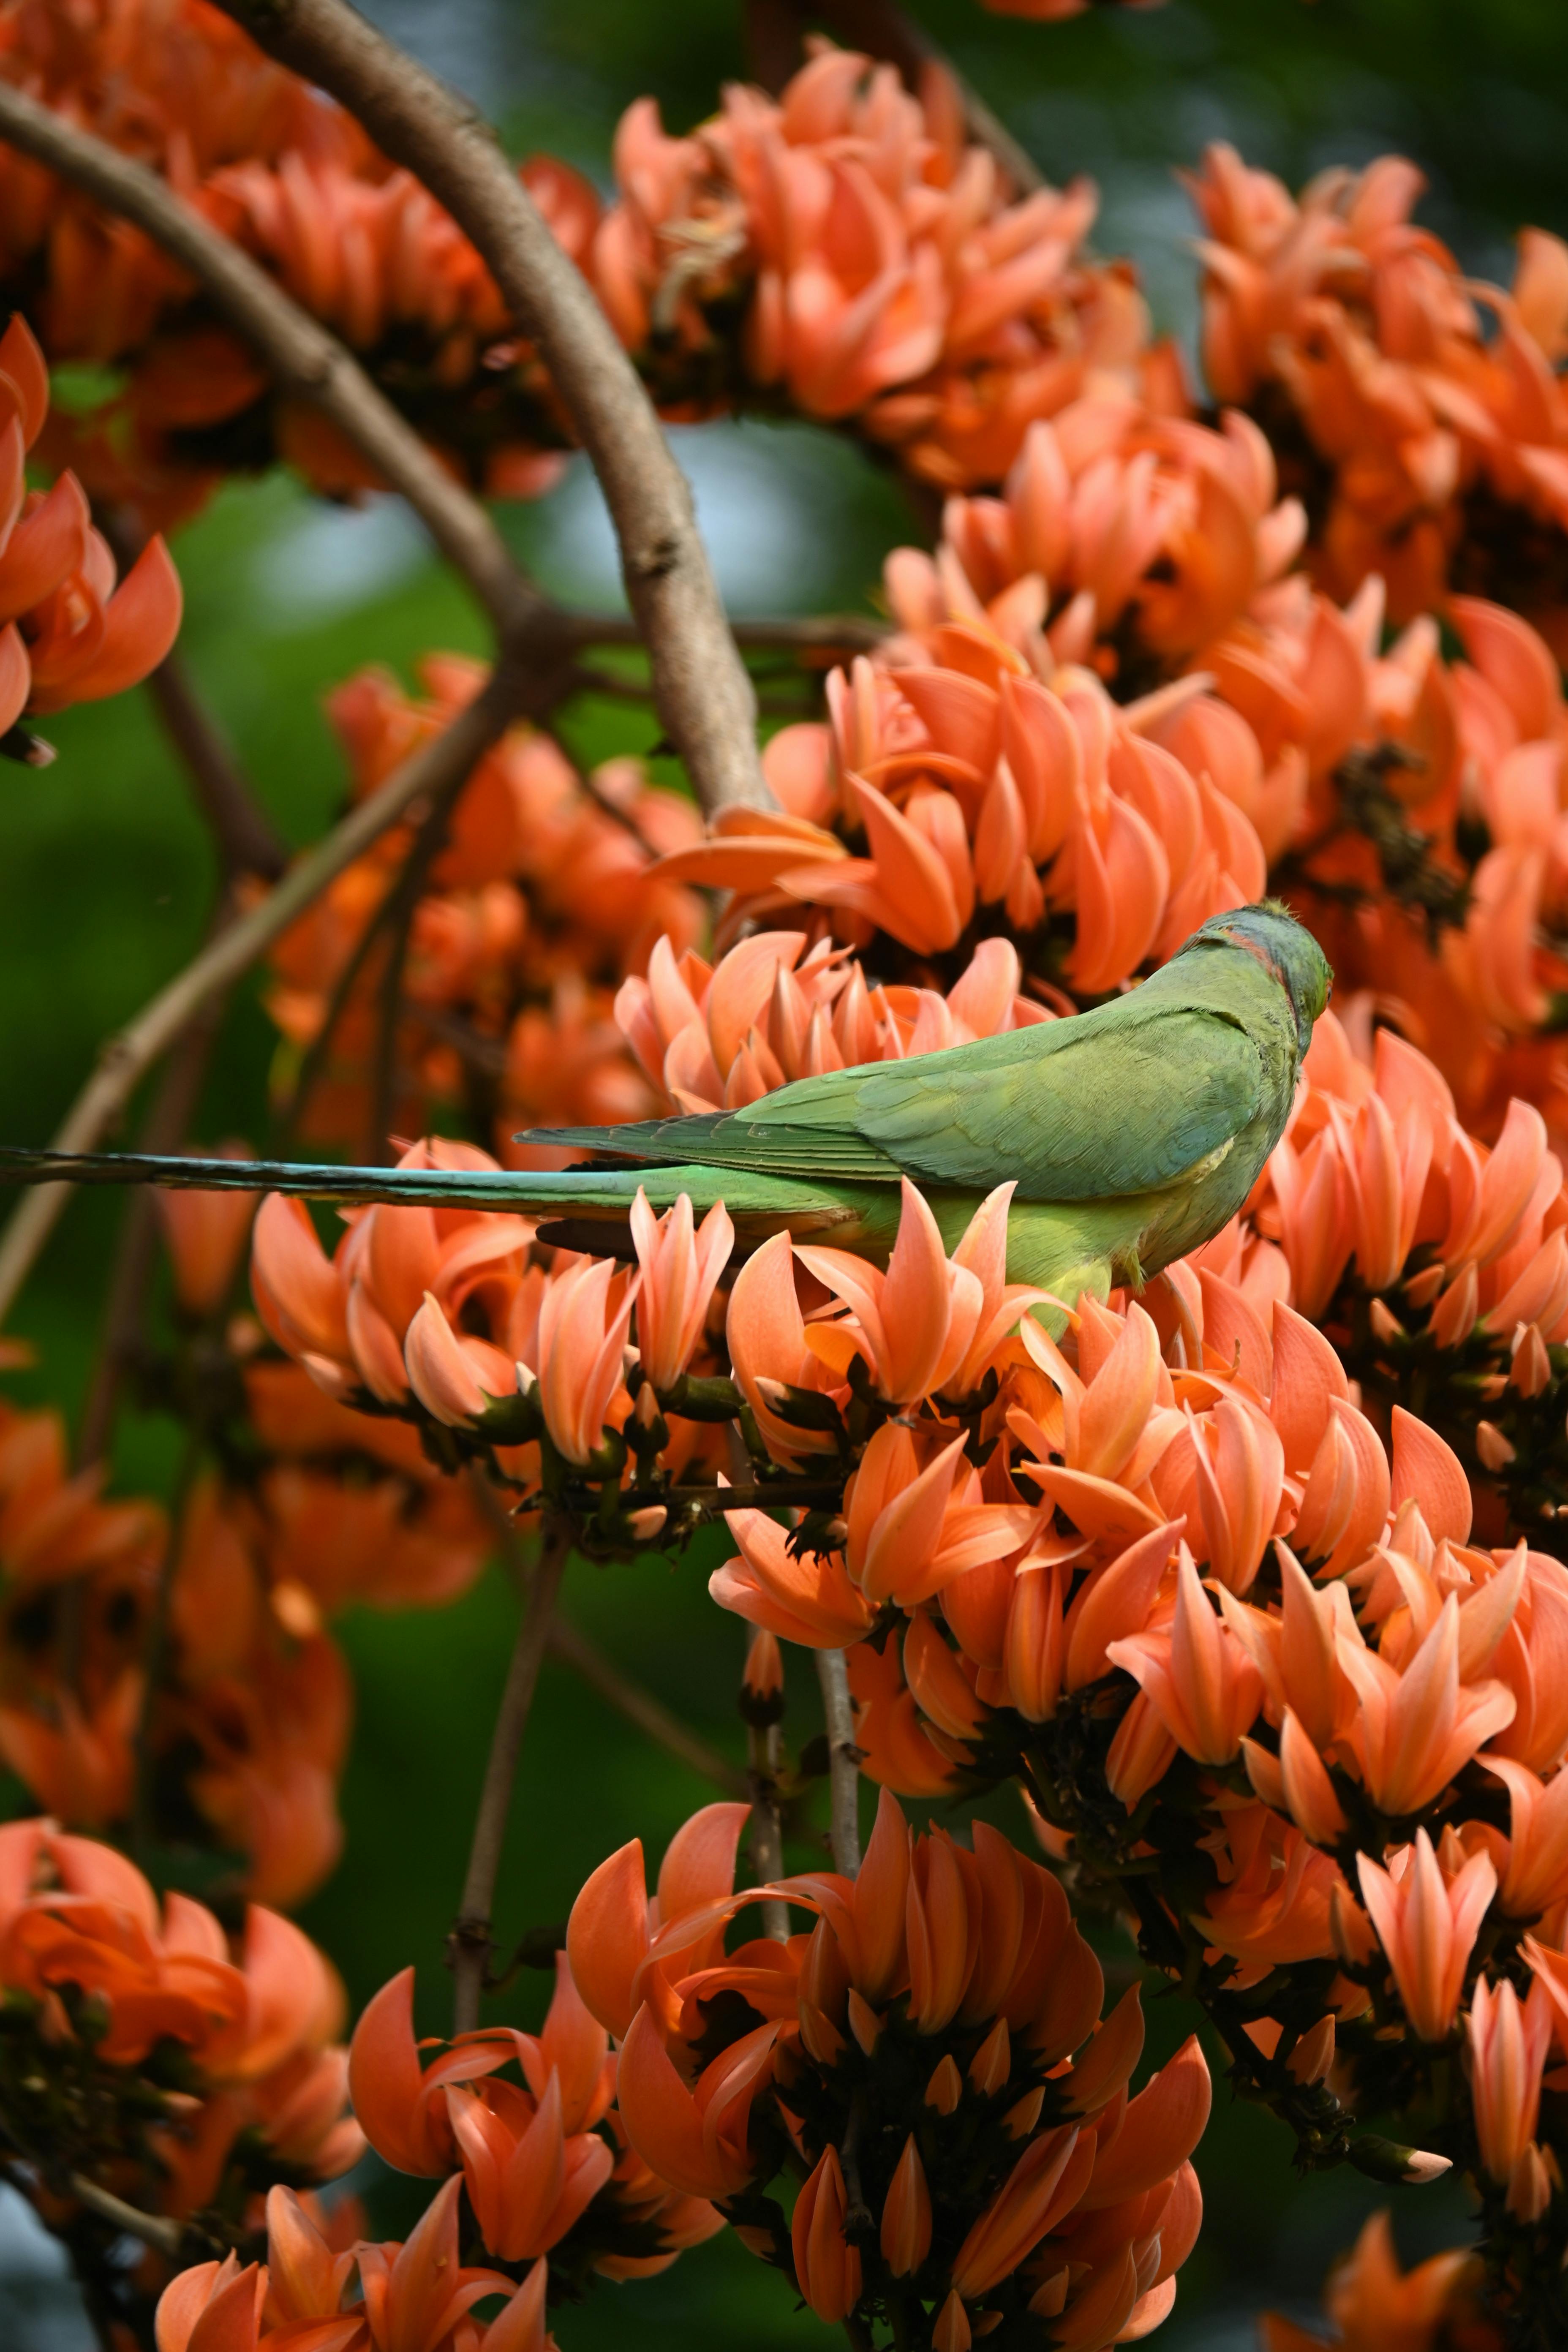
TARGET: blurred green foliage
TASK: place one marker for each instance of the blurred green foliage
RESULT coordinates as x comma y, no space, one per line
108,881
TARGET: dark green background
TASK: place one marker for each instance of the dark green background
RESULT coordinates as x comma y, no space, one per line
106,879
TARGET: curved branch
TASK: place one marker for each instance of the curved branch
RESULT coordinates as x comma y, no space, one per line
703,694
300,353
126,1058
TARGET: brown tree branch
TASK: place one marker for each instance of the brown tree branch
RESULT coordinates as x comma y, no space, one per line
829,633
165,1127
777,31
300,353
844,1758
470,1943
704,696
153,2229
130,1052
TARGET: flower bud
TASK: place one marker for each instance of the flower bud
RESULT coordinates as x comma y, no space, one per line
1386,1326
905,2238
864,2022
827,2267
1494,1448
953,2332
992,2061
1454,1316
649,1523
945,2088
1528,2187
1532,1372
1313,2054
1385,2159
1422,1288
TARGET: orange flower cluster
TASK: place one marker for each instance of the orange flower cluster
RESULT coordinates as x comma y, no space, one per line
1375,2306
978,777
541,2170
886,276
840,249
253,1719
67,634
542,897
418,2291
547,2166
1422,410
930,2061
963,796
106,1984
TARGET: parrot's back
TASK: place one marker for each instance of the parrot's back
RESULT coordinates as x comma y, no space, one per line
1160,1087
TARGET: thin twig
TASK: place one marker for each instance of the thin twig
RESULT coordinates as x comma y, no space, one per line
765,1748
397,911
153,2229
127,1055
705,700
880,28
243,833
165,1127
572,1648
471,1944
843,1760
300,351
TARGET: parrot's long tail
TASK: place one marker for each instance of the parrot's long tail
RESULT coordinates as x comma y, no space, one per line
598,1197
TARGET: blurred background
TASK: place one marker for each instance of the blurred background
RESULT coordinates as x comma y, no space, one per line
105,883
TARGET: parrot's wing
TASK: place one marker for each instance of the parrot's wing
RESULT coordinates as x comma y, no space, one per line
1125,1106
1125,1100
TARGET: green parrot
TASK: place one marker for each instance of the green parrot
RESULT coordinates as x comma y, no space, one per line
1133,1132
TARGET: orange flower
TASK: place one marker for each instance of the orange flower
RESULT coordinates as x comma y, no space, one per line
1505,2056
1416,1724
1196,1674
680,1271
403,2107
1376,2305
906,2226
808,1598
914,1525
529,2180
1427,1915
929,1326
827,2268
206,1233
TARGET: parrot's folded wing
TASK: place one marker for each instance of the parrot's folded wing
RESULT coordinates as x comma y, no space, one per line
1123,1100
1126,1107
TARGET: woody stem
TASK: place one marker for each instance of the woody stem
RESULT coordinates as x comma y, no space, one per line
843,1760
471,1944
763,1744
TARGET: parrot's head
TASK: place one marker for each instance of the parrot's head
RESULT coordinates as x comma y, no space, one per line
1271,933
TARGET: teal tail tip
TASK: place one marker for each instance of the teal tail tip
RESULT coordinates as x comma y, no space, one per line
19,1165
